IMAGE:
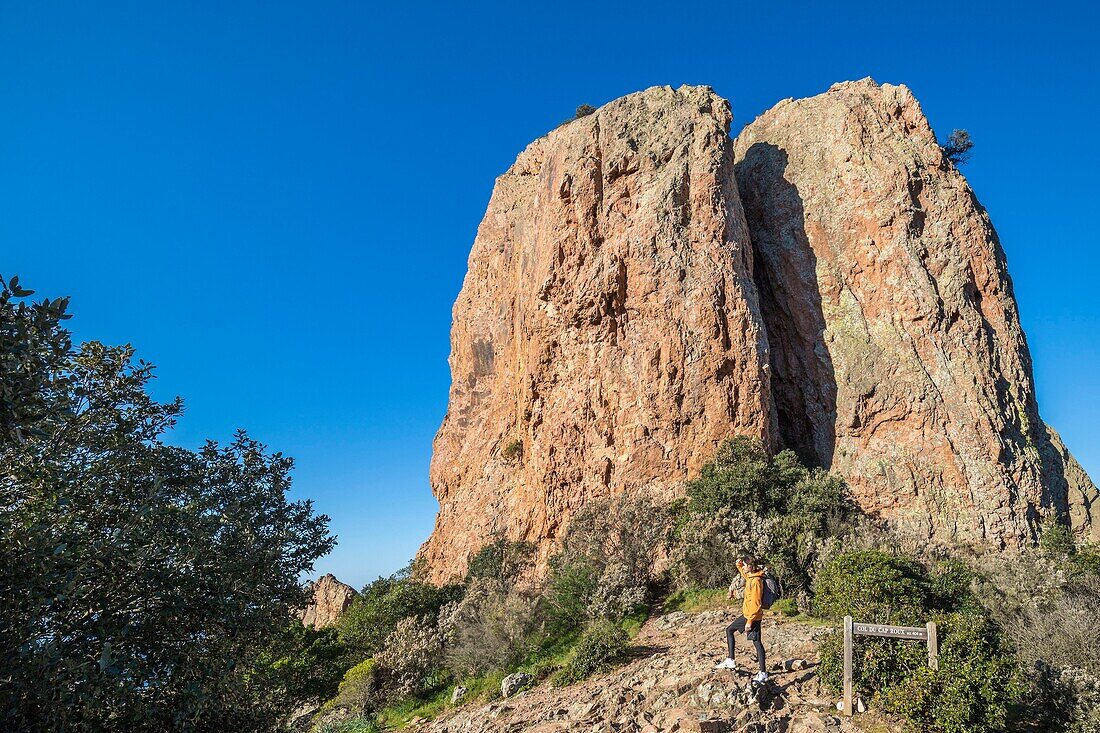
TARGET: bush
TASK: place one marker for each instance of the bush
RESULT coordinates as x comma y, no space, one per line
707,546
306,663
1050,614
488,629
978,685
583,111
512,451
958,146
748,502
975,688
605,565
1056,538
601,644
374,615
501,560
410,659
742,476
871,587
360,690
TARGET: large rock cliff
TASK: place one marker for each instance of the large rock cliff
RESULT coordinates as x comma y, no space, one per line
607,336
614,325
896,349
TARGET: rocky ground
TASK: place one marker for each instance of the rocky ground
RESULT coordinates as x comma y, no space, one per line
671,685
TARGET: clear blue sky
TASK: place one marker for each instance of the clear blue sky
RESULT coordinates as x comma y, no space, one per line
274,201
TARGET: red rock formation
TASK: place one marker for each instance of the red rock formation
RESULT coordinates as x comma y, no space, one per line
607,335
614,325
330,599
897,355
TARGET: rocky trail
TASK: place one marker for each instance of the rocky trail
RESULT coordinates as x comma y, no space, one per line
671,685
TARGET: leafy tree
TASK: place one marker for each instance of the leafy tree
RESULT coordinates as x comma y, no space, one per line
304,662
742,475
958,146
33,351
137,578
374,615
789,508
501,560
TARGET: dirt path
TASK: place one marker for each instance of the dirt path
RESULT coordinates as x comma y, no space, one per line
671,685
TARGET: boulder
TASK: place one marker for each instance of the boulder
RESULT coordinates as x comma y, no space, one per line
513,683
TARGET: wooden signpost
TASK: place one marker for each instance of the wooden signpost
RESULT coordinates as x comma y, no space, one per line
926,633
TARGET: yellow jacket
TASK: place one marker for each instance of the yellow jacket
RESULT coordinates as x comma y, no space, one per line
752,608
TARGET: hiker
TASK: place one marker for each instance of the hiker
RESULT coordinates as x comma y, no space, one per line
752,612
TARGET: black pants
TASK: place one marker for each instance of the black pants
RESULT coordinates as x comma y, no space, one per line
752,633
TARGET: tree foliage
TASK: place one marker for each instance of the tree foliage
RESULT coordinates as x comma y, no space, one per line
374,615
958,146
137,578
746,500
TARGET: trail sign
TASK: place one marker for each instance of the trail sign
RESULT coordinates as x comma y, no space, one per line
926,633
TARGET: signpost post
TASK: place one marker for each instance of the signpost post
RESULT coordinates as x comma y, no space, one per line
926,633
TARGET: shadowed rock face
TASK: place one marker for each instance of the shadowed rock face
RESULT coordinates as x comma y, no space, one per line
896,348
614,325
607,336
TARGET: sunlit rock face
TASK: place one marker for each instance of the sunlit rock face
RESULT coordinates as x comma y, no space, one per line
897,355
607,336
643,287
330,598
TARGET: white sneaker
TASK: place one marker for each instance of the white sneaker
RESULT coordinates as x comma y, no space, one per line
726,663
760,678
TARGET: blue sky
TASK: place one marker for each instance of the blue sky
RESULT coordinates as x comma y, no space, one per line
274,202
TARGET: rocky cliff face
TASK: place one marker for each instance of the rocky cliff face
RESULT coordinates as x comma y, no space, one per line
330,599
607,335
615,324
896,349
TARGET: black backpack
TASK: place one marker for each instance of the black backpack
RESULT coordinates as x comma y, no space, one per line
773,591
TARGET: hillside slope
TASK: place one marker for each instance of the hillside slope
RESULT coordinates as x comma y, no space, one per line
671,684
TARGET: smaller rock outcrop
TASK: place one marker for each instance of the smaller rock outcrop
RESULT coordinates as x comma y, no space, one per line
330,599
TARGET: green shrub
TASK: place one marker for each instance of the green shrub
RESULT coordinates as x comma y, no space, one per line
605,566
360,690
489,629
1087,560
748,502
787,606
501,560
566,598
583,111
512,451
1055,537
306,663
373,616
975,689
978,685
707,546
601,644
743,476
871,587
